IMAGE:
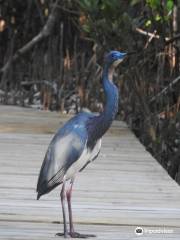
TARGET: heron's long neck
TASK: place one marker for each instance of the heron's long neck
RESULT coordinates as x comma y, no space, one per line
111,95
104,120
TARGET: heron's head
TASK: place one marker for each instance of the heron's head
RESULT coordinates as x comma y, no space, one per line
114,58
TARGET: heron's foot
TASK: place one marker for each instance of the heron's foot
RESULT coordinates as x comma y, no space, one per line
62,235
79,235
75,235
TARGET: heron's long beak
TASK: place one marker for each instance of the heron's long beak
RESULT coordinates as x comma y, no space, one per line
131,53
117,62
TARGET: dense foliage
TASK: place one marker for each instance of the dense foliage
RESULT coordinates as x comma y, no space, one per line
51,53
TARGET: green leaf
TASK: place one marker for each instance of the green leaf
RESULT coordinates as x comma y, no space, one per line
148,23
84,4
88,5
154,4
86,28
169,5
134,2
158,17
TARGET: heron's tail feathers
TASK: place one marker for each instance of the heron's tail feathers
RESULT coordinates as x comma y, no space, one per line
38,196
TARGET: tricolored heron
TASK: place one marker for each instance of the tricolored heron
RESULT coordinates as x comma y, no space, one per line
78,143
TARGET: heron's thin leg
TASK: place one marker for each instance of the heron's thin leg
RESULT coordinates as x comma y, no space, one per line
72,233
68,195
63,198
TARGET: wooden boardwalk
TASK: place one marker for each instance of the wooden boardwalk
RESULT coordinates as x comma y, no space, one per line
123,189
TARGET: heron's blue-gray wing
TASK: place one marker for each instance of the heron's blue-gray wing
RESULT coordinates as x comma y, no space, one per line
65,148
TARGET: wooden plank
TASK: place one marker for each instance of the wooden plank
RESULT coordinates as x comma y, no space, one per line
124,188
36,230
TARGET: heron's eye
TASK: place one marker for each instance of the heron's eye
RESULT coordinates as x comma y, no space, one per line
114,56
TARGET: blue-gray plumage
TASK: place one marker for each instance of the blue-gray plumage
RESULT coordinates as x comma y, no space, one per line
77,143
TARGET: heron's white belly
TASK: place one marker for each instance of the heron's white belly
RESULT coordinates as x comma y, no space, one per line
86,156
